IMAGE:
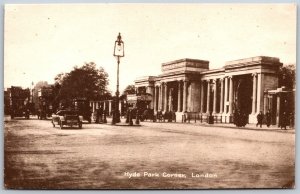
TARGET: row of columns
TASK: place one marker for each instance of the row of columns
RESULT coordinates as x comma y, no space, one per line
96,104
226,95
161,92
162,99
226,99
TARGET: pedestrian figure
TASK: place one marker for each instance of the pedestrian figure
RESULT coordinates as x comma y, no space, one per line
268,118
137,120
101,114
97,115
245,119
159,115
174,116
210,118
113,113
104,117
127,116
283,121
130,117
237,118
259,119
240,119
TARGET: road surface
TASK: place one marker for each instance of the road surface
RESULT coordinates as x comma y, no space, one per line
153,156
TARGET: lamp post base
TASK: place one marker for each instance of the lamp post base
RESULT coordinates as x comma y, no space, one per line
116,117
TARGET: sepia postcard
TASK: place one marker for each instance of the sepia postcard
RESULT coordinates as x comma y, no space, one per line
149,96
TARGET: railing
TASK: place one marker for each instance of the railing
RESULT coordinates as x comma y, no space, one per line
205,118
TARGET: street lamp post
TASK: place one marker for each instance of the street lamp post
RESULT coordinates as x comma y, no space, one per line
118,53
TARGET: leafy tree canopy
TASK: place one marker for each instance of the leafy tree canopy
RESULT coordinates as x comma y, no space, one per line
86,81
287,76
130,89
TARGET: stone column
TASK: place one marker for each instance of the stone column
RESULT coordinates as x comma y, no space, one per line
160,106
153,94
215,97
184,103
150,90
170,99
254,94
202,96
179,96
208,97
225,95
230,94
222,96
137,90
265,102
189,97
120,106
258,109
278,111
104,105
154,98
109,107
157,98
165,97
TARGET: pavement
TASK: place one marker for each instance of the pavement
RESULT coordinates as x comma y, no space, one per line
264,127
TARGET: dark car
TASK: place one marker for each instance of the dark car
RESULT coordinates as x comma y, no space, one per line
67,117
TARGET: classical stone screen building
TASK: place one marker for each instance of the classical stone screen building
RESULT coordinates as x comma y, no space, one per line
188,85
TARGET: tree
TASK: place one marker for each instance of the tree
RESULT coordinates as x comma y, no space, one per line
86,81
287,76
130,89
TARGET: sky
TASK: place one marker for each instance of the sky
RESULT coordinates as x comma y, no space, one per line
41,41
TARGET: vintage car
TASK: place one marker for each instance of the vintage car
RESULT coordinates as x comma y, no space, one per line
67,117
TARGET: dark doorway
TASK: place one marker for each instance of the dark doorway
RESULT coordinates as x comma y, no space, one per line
243,97
172,96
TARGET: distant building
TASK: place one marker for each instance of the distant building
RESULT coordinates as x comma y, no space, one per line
7,101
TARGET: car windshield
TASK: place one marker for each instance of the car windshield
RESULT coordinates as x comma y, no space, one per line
66,112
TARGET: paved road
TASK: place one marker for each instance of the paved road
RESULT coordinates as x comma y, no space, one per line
156,155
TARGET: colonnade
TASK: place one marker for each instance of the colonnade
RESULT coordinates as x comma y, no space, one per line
225,94
162,96
226,99
106,105
221,88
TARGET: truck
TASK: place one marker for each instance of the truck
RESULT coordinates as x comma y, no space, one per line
45,101
19,102
82,105
141,104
